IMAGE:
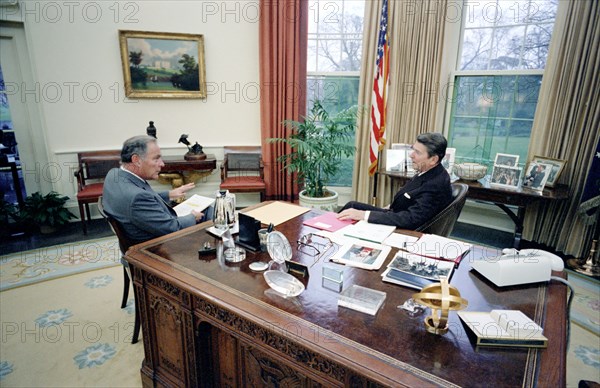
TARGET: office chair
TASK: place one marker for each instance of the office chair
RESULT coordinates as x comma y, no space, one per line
124,244
443,223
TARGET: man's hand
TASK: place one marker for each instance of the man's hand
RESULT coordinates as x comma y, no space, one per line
180,191
198,214
351,214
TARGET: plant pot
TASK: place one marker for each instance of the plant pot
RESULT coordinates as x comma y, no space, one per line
329,203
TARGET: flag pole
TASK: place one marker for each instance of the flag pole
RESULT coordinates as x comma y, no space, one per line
375,180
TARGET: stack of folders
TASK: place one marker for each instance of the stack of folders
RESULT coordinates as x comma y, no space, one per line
416,271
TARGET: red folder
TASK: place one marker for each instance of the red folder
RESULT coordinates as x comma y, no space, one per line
328,221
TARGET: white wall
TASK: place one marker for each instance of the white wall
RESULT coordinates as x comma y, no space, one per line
77,81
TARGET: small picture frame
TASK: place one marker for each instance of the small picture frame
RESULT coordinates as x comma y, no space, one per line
557,167
448,161
505,177
536,175
396,160
506,160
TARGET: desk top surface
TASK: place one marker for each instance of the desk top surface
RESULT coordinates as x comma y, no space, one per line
391,343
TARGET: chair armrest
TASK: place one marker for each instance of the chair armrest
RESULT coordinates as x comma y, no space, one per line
80,180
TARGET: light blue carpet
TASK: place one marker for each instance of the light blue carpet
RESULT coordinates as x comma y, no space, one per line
23,268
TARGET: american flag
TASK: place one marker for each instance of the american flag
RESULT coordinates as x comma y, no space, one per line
380,86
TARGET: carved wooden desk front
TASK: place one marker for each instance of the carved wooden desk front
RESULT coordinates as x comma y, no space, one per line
209,323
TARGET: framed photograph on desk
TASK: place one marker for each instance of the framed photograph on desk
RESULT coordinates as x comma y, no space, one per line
537,175
506,160
505,177
557,166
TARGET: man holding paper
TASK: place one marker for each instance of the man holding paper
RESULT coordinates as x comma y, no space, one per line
422,198
128,198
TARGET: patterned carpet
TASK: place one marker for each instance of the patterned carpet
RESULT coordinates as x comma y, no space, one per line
23,268
62,325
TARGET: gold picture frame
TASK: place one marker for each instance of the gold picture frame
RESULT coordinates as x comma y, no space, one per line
163,64
558,166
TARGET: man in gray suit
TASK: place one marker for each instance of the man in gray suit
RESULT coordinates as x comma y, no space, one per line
127,197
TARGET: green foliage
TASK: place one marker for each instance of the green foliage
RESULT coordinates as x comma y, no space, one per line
188,77
318,144
46,209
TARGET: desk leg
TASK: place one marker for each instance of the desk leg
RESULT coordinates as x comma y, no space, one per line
517,219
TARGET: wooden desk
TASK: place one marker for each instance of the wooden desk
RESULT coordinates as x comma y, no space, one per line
482,191
209,323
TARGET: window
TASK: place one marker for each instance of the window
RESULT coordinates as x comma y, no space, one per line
334,59
501,60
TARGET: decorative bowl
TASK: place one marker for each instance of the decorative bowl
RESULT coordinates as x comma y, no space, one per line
470,171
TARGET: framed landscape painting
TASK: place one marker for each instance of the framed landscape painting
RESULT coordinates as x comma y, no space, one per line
162,64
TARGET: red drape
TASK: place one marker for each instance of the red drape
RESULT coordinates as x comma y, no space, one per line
283,33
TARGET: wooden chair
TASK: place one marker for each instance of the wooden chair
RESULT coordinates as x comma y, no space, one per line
92,169
124,244
242,170
443,223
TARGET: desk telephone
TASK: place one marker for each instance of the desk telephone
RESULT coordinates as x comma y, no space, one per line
519,267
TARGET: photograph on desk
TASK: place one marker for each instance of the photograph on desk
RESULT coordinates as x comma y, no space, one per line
416,271
536,175
362,255
557,166
505,177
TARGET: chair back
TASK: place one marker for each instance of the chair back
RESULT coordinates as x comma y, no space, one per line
242,170
124,242
443,223
94,165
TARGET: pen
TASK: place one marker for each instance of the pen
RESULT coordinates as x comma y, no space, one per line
270,228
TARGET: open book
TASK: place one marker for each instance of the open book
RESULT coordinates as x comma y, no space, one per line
195,202
416,271
504,328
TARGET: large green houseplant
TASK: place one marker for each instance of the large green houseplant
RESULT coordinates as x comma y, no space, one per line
318,142
47,211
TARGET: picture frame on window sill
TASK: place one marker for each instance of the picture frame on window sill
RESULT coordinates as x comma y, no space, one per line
536,175
505,177
162,64
557,167
506,160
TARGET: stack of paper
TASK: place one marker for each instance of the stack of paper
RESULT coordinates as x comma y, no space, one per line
328,221
195,202
438,247
363,230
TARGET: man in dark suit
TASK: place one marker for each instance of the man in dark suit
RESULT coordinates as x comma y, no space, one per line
128,198
421,198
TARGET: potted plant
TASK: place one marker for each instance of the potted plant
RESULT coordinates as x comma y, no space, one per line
47,211
318,143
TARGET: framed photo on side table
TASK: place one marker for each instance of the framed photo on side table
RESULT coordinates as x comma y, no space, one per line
506,160
557,166
505,177
163,64
536,175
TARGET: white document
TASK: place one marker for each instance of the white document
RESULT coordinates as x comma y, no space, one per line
195,202
399,240
365,231
432,245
